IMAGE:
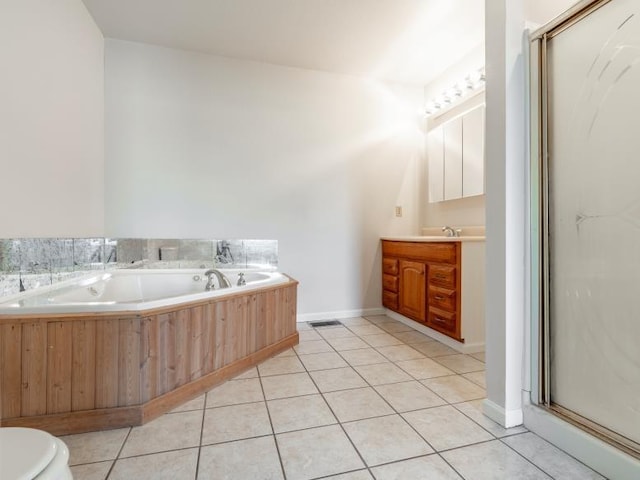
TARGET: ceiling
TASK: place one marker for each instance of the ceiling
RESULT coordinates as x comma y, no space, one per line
407,41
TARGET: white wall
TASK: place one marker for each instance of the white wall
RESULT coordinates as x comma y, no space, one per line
205,146
506,209
464,211
51,120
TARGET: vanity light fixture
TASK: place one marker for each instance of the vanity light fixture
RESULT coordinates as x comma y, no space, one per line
472,82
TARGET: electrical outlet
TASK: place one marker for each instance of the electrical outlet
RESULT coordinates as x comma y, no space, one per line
398,211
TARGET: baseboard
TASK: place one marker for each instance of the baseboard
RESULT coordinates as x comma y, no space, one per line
497,413
602,457
311,317
448,341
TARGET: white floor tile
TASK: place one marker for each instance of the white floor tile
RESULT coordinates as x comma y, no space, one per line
549,458
317,452
337,379
236,422
91,471
413,337
423,368
409,396
95,446
386,439
365,356
338,332
296,413
347,343
349,322
323,361
492,461
445,427
381,340
307,335
235,392
479,378
431,467
349,405
280,366
455,388
460,363
358,475
174,465
168,432
292,385
398,353
395,327
313,346
433,349
382,373
228,461
362,330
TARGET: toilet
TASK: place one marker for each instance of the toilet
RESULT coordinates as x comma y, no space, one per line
29,454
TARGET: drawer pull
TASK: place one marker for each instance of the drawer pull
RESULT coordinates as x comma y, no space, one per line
439,297
439,320
440,275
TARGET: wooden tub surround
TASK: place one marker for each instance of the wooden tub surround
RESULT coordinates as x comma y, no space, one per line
72,373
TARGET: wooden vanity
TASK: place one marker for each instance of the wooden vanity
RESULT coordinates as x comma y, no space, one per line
438,284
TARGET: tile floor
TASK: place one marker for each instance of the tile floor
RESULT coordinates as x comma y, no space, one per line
372,399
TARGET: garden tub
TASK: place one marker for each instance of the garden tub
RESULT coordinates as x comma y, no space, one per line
122,347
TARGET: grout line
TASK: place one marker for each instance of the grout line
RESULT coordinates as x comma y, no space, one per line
204,411
557,448
525,458
339,422
273,430
119,453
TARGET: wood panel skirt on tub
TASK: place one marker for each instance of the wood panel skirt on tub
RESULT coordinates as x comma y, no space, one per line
72,373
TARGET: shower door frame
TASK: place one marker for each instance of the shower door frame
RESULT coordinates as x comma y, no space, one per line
539,222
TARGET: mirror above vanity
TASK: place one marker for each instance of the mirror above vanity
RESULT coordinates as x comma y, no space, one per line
455,152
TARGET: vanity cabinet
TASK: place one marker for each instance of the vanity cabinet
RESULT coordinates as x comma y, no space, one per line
421,280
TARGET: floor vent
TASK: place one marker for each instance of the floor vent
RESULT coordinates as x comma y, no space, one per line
325,323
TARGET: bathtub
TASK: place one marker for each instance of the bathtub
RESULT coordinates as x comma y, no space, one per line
131,290
119,348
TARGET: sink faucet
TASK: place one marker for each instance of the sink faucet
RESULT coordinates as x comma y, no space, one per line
450,232
223,281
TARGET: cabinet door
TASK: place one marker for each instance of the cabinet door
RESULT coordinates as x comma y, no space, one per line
473,153
413,289
453,159
435,157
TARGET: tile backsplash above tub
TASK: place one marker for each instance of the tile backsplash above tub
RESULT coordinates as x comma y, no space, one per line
27,263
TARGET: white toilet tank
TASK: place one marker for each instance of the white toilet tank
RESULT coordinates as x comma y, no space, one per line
29,454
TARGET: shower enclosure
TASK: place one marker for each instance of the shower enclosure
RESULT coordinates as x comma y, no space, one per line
586,212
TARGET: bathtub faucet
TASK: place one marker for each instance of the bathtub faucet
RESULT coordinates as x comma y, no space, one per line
223,281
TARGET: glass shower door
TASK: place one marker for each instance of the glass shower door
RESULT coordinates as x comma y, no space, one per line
591,229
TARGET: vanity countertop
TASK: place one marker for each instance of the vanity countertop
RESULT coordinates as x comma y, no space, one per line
436,238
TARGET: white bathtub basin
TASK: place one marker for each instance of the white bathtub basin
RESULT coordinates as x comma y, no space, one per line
130,290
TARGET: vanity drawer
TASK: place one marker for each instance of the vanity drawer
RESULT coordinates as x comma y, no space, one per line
441,320
390,300
437,252
389,282
442,298
442,276
390,266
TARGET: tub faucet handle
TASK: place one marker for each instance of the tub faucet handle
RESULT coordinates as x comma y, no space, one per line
223,281
241,280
